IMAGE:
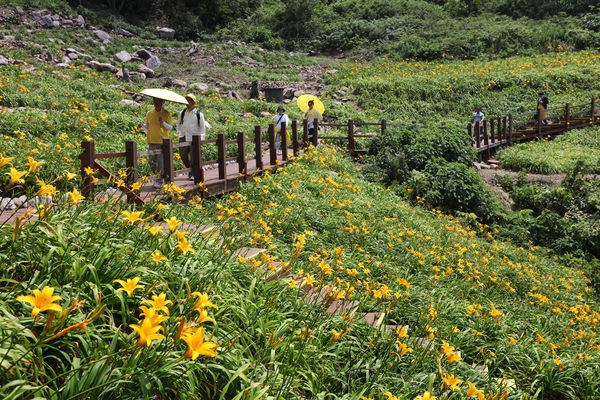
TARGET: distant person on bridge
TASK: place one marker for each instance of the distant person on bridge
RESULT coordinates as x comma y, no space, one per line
310,115
157,127
190,123
280,119
542,107
478,118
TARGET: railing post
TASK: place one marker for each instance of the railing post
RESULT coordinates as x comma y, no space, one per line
539,123
131,161
510,129
241,142
478,133
258,147
284,143
567,116
221,151
87,157
315,136
305,138
485,138
196,163
295,144
470,130
167,154
383,126
492,133
503,129
272,149
351,144
593,110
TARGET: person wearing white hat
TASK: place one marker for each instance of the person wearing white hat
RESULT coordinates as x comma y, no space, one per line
190,123
280,119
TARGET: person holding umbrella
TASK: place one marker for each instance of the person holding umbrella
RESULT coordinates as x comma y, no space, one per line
157,127
311,115
190,123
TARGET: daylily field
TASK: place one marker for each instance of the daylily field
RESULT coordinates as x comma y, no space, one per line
358,294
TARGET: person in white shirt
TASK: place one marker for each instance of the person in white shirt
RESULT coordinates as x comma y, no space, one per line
478,118
280,119
190,122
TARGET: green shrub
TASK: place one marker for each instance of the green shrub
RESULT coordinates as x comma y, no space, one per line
451,187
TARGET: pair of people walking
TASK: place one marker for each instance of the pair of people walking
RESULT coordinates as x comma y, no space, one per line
158,125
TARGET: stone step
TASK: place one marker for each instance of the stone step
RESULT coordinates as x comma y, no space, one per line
249,252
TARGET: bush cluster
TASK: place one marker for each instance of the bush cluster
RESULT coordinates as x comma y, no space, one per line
432,164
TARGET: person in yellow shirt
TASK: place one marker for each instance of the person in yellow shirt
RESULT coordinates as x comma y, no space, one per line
157,127
310,115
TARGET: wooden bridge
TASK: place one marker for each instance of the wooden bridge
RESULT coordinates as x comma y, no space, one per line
493,133
234,165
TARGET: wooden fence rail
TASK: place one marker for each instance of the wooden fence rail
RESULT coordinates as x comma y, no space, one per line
486,137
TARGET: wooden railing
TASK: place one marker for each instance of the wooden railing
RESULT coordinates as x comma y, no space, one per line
514,128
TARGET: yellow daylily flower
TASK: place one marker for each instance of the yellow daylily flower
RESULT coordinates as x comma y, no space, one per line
173,223
159,303
42,300
147,332
184,246
130,218
197,346
32,164
204,317
451,381
46,189
129,286
16,176
69,175
151,315
157,257
203,301
5,160
74,197
426,396
473,391
154,230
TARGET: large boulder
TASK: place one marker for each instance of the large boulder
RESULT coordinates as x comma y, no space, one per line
122,56
165,33
102,35
153,62
102,66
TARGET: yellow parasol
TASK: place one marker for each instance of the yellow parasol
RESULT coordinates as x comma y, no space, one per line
303,103
165,94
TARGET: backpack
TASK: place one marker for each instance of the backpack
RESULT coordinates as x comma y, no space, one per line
183,115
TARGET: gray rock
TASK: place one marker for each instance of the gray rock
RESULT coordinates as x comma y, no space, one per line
129,102
19,201
153,62
80,21
146,71
66,60
55,24
4,60
73,56
91,41
101,34
102,66
165,33
179,83
63,65
125,33
7,204
143,54
122,56
203,87
45,22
